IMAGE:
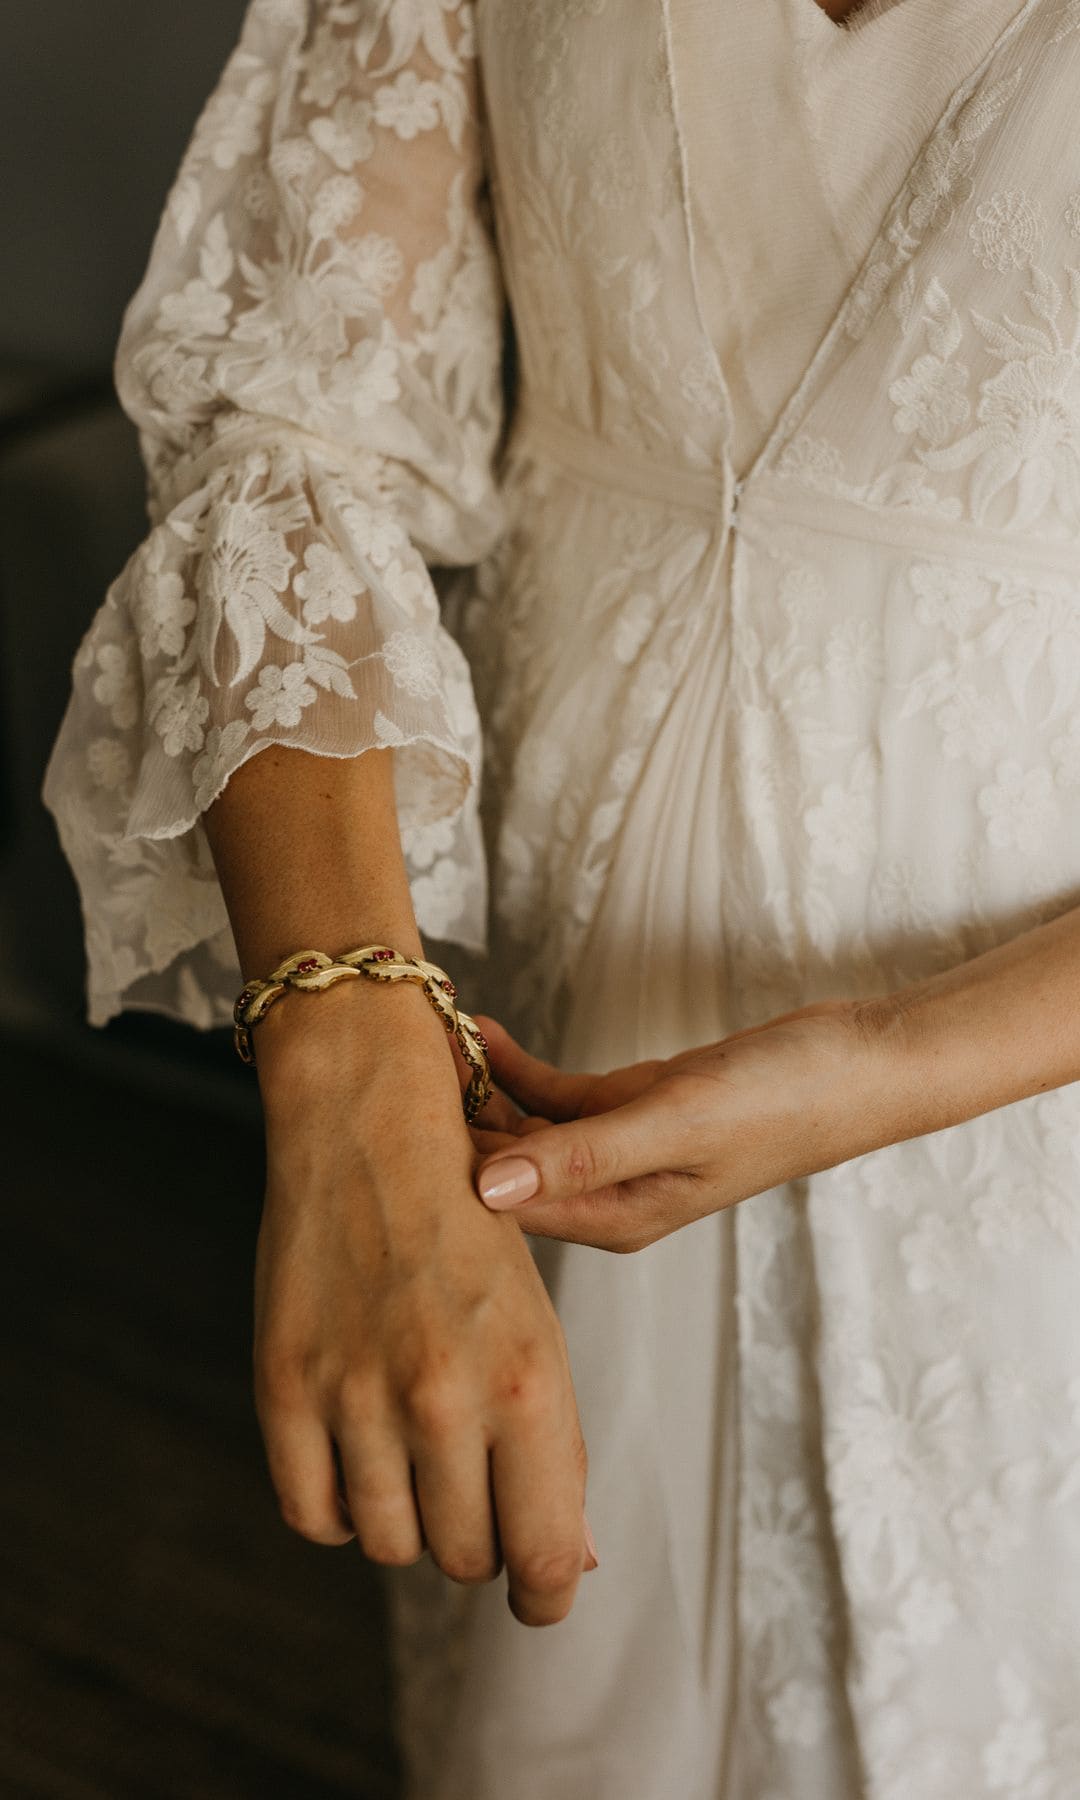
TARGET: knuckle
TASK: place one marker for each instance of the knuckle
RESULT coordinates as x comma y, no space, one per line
398,1552
549,1571
281,1382
435,1404
580,1167
357,1395
467,1566
306,1524
527,1387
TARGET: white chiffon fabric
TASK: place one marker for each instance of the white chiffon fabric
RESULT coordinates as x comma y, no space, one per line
766,615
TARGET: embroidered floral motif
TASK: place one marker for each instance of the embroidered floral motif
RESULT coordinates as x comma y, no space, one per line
1008,230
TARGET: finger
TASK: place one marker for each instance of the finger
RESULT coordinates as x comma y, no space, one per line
300,1456
587,1156
541,1522
377,1476
453,1490
536,1085
498,1112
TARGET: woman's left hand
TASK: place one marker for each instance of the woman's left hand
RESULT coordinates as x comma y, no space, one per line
621,1160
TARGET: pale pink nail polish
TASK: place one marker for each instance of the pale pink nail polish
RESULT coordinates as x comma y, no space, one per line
508,1182
590,1542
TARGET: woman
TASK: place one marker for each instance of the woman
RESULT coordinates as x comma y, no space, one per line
768,604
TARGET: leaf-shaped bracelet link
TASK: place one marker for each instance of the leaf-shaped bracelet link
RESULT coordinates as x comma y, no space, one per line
312,971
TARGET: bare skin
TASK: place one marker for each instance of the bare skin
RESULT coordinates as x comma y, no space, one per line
411,1377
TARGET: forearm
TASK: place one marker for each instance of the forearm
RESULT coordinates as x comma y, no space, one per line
995,1029
308,853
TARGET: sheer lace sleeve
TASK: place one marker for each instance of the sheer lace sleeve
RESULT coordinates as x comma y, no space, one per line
312,360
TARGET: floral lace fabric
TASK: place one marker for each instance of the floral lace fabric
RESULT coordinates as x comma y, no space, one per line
852,496
313,362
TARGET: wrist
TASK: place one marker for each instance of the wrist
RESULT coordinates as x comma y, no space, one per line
893,1082
351,1033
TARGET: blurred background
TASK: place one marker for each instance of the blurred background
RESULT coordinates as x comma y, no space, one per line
162,1633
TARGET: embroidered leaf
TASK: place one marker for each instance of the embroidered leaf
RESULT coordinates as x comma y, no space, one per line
215,253
934,686
328,670
1044,295
984,107
943,329
903,299
184,204
1011,340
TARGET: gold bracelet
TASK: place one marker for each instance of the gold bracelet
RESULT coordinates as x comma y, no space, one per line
312,971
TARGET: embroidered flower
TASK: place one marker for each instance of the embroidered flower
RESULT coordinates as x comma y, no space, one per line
327,66
799,1713
198,310
231,122
161,607
699,384
1027,429
948,594
931,400
366,378
280,696
1037,631
412,663
292,160
812,461
219,755
178,711
1002,1216
984,1531
345,135
115,686
378,263
375,533
244,570
927,1610
1014,1754
971,725
935,1255
1019,807
408,105
1072,215
337,201
633,626
327,586
109,762
439,896
1008,230
841,826
854,653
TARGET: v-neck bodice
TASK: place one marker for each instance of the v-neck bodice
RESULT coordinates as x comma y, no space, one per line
790,176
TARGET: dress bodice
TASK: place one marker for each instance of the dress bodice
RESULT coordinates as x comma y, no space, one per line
790,175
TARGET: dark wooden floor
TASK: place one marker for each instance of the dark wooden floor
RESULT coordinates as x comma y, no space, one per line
161,1632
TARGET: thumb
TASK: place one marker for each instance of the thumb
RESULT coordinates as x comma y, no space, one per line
590,1156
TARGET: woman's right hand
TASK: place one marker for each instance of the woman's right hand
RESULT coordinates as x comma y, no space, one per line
398,1319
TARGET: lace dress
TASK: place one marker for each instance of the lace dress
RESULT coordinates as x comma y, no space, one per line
736,665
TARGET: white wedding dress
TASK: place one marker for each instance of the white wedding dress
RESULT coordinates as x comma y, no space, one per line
763,622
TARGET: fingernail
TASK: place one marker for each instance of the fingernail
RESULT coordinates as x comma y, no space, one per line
508,1182
590,1545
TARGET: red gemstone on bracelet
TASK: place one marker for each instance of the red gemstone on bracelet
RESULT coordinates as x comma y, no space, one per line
482,1041
383,956
308,963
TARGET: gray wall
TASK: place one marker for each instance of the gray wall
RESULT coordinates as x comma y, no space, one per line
97,104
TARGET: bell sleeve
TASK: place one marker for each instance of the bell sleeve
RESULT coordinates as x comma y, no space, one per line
313,362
